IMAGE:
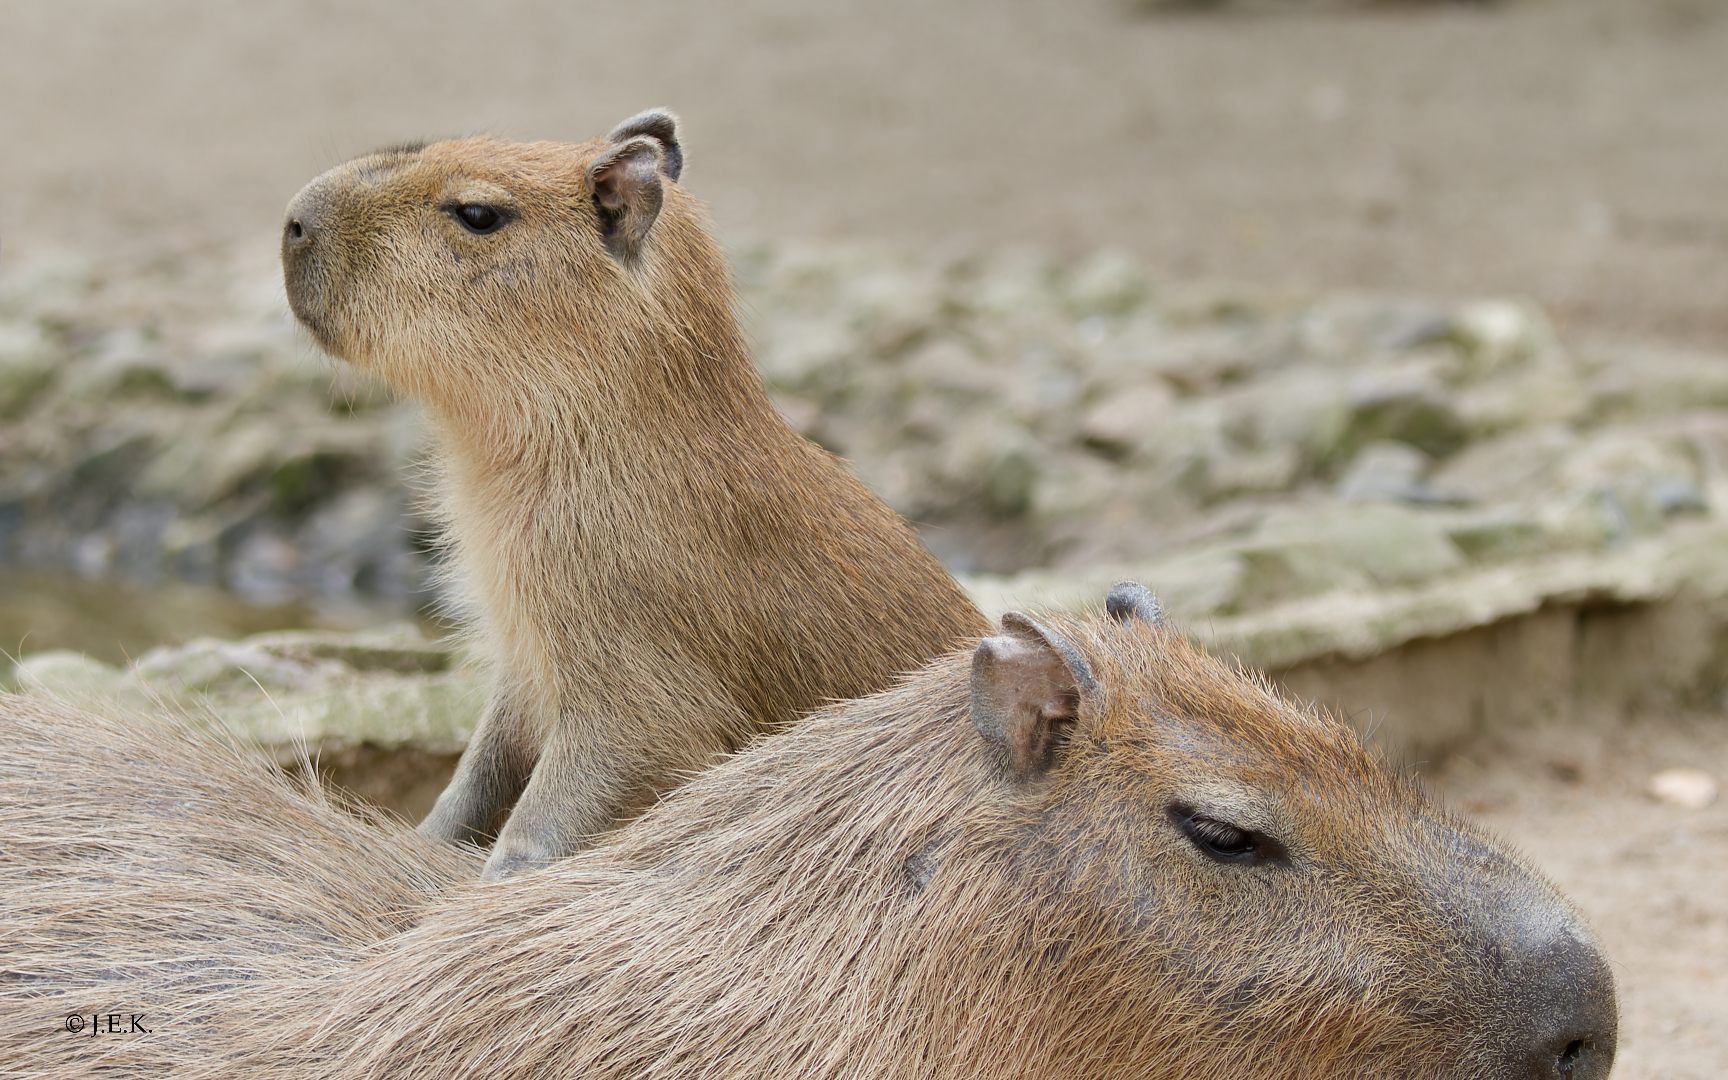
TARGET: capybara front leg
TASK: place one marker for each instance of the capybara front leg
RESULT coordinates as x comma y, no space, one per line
583,784
492,773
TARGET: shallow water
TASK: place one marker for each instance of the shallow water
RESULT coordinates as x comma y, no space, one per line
117,621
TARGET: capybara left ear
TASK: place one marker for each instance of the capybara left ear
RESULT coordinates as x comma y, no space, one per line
1027,684
662,124
625,182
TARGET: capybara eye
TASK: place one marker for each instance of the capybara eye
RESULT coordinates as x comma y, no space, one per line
1224,841
479,218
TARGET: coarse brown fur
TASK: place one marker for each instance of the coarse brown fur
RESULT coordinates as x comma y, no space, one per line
190,869
982,872
662,567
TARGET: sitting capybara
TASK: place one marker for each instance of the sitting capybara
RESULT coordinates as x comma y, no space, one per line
661,567
1082,850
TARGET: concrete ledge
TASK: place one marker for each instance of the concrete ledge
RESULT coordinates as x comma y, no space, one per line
383,714
1575,636
1567,638
1580,663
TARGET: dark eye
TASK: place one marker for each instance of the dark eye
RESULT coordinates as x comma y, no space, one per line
479,218
1224,841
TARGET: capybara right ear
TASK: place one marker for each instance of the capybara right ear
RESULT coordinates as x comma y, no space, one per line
663,125
1027,684
625,182
1132,600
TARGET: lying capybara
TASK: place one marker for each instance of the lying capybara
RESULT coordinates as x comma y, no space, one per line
660,565
1082,850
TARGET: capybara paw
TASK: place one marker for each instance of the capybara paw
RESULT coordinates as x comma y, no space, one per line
503,864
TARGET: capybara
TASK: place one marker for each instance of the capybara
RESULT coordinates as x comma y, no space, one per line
660,565
1082,850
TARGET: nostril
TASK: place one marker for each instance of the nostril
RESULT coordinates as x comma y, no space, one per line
1584,1055
1576,1053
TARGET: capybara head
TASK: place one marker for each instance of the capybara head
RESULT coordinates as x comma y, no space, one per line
1308,907
1082,850
477,265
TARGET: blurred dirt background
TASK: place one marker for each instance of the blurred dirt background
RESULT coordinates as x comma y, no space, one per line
1573,152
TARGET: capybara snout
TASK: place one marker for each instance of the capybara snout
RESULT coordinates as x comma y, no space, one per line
1551,991
367,250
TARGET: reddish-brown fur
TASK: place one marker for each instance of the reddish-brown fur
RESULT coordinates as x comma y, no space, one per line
983,872
661,566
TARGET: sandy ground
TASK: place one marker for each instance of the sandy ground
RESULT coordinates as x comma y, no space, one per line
1571,150
1652,878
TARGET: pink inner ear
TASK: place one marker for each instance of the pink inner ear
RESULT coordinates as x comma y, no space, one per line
623,172
606,189
1064,709
1032,732
613,182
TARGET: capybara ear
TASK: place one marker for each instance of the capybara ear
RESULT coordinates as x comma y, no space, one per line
1132,600
663,125
1026,689
625,181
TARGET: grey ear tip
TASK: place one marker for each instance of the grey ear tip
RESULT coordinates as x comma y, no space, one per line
1132,600
661,124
